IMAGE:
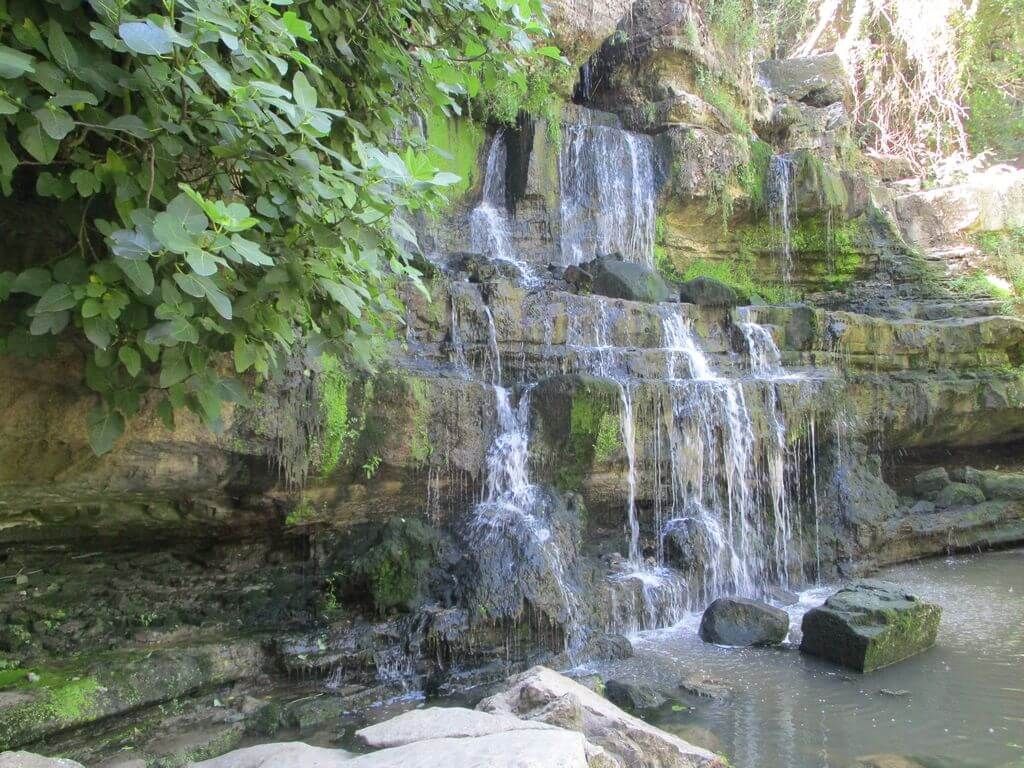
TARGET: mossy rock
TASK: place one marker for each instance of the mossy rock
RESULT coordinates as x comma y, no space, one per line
869,625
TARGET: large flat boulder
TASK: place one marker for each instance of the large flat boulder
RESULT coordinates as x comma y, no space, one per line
739,621
870,624
30,760
441,722
554,748
293,754
544,695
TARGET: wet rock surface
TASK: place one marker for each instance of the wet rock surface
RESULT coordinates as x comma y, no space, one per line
738,621
869,625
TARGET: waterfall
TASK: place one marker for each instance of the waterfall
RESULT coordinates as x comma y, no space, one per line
765,357
490,230
607,194
723,478
782,208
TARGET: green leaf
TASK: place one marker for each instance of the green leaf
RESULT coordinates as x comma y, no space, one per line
14,63
61,50
133,244
304,93
69,98
218,300
190,284
250,251
85,182
38,143
91,308
344,295
297,27
98,331
49,322
145,37
245,355
105,426
139,273
56,298
173,368
8,162
56,122
34,281
129,124
171,332
201,261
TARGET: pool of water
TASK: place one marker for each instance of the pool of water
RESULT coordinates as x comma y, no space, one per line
960,703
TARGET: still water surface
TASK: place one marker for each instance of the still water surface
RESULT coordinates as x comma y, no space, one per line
961,703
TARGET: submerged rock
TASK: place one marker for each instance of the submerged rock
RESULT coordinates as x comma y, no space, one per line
869,625
625,280
542,694
738,621
633,697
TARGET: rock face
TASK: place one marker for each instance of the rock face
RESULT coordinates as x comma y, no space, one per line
817,81
869,625
738,621
544,695
633,282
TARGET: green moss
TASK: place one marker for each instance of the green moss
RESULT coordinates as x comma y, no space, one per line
753,176
1004,255
455,147
817,174
738,274
302,513
721,97
421,447
393,569
334,404
733,23
61,696
593,432
538,94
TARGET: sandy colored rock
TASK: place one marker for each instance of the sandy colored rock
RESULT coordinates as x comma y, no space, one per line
626,738
292,754
441,722
30,760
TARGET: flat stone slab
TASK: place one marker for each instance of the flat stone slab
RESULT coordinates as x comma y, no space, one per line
30,760
869,625
439,723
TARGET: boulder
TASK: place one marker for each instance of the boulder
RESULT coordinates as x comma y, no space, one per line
29,760
441,722
624,280
608,646
931,481
554,748
705,687
814,80
870,624
1008,486
292,754
959,495
708,292
738,621
633,697
542,694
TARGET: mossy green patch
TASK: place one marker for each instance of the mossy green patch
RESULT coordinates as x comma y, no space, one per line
455,147
57,696
392,570
738,274
420,448
334,404
720,96
594,432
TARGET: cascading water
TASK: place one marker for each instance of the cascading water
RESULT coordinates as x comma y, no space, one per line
607,194
718,531
490,230
764,354
782,208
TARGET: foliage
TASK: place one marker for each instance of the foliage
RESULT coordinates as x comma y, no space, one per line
1002,275
719,96
753,177
993,68
732,23
235,171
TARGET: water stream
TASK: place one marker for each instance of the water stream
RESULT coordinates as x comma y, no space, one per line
782,208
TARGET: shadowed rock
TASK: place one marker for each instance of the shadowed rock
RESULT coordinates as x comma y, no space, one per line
738,621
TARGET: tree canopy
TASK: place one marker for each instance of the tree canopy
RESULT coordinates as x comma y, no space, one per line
238,171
